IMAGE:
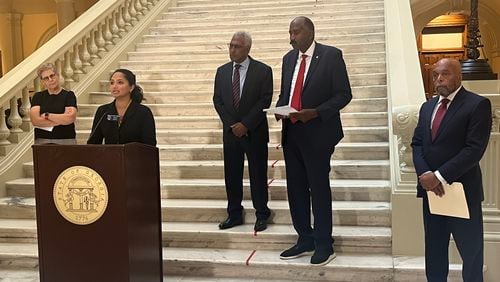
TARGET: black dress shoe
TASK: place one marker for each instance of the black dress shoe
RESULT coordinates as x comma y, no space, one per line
322,258
231,222
260,225
297,251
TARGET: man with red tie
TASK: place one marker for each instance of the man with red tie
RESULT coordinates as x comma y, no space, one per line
449,141
314,81
243,88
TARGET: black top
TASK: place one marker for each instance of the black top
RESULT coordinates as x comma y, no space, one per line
137,125
55,104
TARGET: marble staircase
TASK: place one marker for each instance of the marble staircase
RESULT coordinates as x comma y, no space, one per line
175,63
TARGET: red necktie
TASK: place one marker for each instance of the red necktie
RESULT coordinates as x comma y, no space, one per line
236,86
438,118
297,90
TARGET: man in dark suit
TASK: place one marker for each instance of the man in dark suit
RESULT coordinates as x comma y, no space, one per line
243,88
314,81
450,138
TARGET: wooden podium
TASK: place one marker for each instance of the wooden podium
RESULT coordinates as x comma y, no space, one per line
124,243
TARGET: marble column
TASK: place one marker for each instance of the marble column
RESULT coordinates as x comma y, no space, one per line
16,36
65,13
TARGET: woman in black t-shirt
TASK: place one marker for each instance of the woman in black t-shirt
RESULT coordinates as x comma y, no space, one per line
53,111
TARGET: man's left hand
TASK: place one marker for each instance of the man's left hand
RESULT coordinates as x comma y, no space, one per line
239,129
304,115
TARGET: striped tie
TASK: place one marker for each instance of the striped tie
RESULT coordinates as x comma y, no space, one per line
236,86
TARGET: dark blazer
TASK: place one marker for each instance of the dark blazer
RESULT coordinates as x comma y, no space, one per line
137,125
459,144
256,95
326,89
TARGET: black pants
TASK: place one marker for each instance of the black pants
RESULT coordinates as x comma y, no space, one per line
234,157
468,236
308,183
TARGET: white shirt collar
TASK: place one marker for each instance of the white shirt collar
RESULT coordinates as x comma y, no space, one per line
310,51
243,64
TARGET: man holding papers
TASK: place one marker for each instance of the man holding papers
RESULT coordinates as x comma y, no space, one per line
314,81
243,88
450,138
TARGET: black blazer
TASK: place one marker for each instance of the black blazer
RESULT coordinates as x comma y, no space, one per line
459,145
326,89
256,95
137,125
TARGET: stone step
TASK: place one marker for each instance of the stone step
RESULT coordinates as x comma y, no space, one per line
251,24
341,169
222,53
192,264
262,263
182,3
352,239
178,96
343,151
346,213
208,73
250,6
181,63
218,33
349,213
208,84
259,48
214,136
207,108
291,10
342,189
205,122
265,40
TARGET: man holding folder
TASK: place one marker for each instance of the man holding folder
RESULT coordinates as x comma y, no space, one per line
449,141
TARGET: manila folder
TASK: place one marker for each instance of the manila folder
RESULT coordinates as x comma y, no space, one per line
452,203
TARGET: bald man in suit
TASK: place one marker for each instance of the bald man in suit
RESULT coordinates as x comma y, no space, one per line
449,141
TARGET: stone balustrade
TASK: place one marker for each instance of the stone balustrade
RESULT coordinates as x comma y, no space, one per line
75,51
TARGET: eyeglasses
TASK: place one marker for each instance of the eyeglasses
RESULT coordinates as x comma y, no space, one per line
235,46
50,77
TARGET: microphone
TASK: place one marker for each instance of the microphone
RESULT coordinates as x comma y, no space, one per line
96,126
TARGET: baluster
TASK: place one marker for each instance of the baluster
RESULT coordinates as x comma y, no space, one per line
93,49
68,71
4,130
25,106
37,86
108,36
77,63
120,22
126,15
139,8
100,40
150,4
114,25
85,52
59,67
132,11
14,119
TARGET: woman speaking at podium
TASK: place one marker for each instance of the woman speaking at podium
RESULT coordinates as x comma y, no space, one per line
125,119
53,110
